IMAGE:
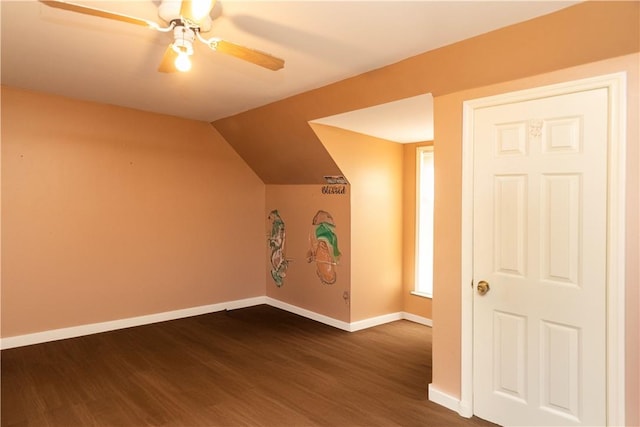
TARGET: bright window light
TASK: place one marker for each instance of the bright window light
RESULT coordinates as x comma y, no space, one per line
424,222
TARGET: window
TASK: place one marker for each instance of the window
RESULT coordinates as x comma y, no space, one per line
424,222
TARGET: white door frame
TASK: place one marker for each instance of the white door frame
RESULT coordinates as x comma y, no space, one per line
616,86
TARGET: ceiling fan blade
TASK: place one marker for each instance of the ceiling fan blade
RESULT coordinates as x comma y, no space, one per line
99,12
167,64
251,55
196,10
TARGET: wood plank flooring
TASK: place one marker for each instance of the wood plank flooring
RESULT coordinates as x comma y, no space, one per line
257,366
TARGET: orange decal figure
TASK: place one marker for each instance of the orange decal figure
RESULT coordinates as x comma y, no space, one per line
324,247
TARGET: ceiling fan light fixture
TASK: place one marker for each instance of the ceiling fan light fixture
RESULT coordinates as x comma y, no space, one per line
182,62
183,40
183,46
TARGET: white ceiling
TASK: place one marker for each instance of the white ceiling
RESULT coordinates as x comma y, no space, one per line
101,60
403,121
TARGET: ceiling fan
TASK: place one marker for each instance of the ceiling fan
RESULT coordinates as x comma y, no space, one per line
187,24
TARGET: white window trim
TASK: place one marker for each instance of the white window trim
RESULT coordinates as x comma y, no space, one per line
421,294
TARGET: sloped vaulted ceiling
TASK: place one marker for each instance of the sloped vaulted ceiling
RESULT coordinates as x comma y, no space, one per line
278,143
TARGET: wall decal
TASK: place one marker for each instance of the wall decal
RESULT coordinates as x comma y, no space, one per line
334,189
324,247
277,239
335,179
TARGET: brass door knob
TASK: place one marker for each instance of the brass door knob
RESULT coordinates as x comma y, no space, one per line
483,287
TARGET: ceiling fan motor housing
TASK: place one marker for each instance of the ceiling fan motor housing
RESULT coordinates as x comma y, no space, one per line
169,10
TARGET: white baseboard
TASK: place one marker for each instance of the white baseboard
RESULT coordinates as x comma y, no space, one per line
353,326
95,328
308,314
374,321
417,319
449,402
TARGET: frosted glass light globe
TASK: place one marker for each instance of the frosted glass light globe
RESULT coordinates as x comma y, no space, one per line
182,62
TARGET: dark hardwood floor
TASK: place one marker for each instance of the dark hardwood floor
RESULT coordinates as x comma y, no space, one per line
258,366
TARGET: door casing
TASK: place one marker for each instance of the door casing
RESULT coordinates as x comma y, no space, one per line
616,175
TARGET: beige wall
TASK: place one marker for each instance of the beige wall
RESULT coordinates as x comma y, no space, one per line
448,139
366,161
277,142
373,167
523,54
148,228
297,205
109,213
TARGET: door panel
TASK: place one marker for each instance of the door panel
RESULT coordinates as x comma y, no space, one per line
509,364
560,376
510,218
560,229
540,204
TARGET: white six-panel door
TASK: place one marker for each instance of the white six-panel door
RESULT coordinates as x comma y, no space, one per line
540,242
